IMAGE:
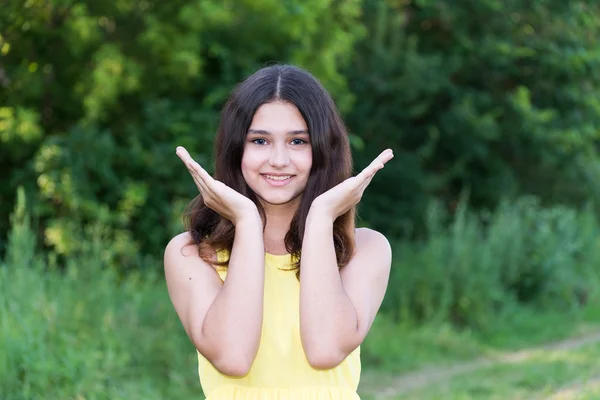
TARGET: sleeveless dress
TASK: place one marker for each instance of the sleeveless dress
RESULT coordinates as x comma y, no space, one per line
280,370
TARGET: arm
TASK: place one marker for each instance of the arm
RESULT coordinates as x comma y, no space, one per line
223,320
337,308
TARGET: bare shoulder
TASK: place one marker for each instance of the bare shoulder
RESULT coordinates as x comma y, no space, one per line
192,283
181,255
373,244
178,247
186,273
366,276
372,257
370,237
178,242
182,245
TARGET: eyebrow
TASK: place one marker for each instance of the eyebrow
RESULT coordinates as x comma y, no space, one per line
264,132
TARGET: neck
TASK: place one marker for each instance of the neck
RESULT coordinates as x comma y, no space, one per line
278,223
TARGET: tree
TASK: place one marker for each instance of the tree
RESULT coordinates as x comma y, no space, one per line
96,96
496,98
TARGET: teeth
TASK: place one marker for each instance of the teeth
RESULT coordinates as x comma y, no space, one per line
278,178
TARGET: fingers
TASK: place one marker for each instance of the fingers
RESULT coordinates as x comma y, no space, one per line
369,172
378,163
189,161
200,176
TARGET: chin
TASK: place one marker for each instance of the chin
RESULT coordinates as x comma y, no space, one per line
280,200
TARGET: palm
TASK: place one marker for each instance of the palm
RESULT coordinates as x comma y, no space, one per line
229,196
216,195
339,199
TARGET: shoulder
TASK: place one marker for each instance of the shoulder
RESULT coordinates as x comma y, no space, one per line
372,243
366,276
184,265
372,257
182,248
180,245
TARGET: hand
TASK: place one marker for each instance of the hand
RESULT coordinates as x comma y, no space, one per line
342,197
216,195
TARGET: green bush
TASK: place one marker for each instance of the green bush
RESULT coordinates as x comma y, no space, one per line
478,95
95,96
471,94
82,331
522,255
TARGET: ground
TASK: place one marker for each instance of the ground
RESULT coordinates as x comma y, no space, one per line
568,369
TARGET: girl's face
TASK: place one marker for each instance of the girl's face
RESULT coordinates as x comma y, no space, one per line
277,154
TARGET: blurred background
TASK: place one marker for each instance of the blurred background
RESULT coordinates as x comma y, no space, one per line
491,203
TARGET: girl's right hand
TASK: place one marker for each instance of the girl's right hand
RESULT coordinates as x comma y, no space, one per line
216,195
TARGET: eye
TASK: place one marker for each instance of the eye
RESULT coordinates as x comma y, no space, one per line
298,141
259,142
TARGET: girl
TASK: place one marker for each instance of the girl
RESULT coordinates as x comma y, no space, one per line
272,282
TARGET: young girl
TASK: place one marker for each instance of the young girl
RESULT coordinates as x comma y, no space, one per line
272,282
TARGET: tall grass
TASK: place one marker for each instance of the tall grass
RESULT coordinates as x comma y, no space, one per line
80,329
482,283
480,266
82,332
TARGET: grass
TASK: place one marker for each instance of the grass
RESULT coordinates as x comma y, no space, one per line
431,347
540,376
86,334
83,330
392,349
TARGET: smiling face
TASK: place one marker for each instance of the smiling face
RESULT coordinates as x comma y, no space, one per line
277,154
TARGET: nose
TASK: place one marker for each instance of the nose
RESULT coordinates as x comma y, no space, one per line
279,157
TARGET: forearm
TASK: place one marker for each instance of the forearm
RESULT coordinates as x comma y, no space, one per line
327,315
233,323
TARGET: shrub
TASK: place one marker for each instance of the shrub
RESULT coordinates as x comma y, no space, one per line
522,255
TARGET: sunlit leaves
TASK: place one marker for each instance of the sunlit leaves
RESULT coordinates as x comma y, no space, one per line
102,92
513,97
19,126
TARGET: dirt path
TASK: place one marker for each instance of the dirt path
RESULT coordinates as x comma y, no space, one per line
572,391
420,379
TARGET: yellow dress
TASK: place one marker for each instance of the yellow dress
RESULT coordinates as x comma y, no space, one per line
280,370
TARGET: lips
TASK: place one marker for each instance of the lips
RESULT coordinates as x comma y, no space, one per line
277,180
278,177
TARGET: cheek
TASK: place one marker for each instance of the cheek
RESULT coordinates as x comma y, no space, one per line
249,162
251,166
306,161
246,168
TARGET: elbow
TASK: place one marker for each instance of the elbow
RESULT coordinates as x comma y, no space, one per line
235,367
233,363
324,359
327,354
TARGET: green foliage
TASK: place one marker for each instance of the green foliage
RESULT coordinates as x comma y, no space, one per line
471,95
394,347
481,95
495,98
544,374
96,95
482,266
83,332
475,95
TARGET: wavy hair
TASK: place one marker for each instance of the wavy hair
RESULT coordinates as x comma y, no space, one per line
331,160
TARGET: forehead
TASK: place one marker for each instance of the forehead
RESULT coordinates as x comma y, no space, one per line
278,117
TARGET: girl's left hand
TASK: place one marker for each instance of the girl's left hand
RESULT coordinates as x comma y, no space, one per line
341,198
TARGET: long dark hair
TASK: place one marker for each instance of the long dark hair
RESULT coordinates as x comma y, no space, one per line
331,160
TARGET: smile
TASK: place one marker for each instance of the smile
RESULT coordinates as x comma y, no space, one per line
278,180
